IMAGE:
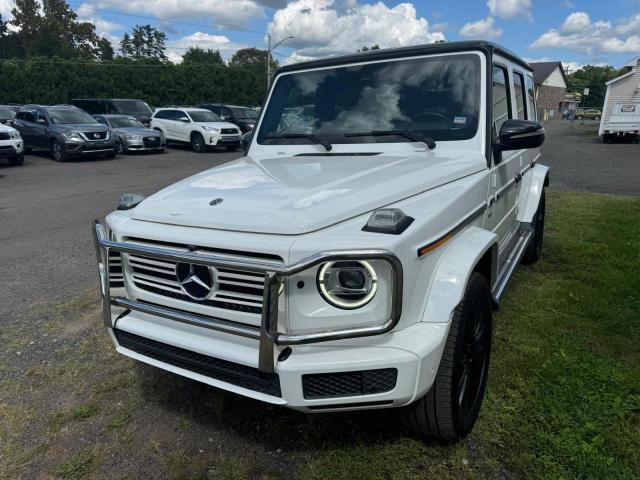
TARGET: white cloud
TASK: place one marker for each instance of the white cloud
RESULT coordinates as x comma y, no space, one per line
5,9
629,26
510,9
177,48
580,34
482,29
219,12
324,27
572,65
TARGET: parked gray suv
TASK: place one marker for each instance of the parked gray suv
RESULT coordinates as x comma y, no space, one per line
64,130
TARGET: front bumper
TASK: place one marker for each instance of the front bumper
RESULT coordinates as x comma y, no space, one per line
415,362
413,352
144,145
11,148
89,148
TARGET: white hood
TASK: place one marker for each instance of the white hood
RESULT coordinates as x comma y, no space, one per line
301,194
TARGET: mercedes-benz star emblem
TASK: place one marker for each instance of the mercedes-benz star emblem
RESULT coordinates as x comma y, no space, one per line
197,281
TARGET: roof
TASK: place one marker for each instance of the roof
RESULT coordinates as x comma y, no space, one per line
542,70
388,53
113,115
613,80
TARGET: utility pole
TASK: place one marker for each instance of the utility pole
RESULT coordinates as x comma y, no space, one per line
269,50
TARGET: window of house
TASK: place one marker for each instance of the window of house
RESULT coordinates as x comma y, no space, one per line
501,99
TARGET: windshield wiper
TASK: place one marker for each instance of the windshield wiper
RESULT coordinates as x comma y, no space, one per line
408,134
309,136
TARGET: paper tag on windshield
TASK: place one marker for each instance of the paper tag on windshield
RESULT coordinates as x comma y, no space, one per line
459,120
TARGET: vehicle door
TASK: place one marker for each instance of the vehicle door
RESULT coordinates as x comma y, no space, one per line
506,166
24,122
166,119
41,130
182,127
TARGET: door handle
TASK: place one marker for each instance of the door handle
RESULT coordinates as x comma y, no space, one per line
518,177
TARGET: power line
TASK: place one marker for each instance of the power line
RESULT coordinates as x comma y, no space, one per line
192,24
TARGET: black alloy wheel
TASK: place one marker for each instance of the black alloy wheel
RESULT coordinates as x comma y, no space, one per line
197,143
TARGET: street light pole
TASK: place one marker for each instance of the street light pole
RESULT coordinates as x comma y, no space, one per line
269,50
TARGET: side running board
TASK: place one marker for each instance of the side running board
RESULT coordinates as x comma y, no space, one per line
512,262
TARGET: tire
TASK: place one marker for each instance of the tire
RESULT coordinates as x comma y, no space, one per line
534,249
197,143
17,159
450,409
58,153
605,138
119,146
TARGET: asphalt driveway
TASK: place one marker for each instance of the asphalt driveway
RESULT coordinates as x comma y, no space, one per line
580,161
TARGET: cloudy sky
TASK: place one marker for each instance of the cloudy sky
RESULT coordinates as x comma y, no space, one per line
578,32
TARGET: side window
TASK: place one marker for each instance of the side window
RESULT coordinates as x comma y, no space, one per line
102,120
226,112
41,117
110,107
161,114
531,100
29,115
215,109
178,114
518,90
501,99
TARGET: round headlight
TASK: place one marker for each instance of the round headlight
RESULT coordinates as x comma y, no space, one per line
347,284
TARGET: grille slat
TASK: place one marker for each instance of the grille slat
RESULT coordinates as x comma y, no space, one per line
235,290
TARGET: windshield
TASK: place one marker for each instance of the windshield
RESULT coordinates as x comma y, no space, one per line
7,114
437,97
203,116
71,116
125,123
242,112
133,107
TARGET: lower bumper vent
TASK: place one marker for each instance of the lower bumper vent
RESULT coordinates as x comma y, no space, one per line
223,370
348,384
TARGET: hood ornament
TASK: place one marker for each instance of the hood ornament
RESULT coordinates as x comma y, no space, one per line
216,201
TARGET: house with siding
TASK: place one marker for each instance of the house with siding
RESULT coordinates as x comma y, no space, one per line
551,87
621,112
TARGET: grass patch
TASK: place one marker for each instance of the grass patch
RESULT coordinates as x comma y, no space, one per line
79,466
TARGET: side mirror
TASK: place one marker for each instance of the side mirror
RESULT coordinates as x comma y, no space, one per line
185,119
519,135
246,141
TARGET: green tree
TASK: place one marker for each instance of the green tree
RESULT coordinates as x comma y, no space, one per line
594,78
252,57
196,55
51,28
144,43
105,50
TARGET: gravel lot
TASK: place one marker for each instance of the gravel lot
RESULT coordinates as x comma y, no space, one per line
49,312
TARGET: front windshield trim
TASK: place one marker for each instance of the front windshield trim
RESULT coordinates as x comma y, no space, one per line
376,143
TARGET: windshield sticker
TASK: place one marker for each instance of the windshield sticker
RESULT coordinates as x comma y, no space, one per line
459,120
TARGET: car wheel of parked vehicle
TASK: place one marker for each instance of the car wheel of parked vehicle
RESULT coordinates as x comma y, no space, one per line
605,138
17,159
119,146
197,143
534,250
450,409
59,155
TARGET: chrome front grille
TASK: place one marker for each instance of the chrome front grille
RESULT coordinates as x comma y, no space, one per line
116,277
235,290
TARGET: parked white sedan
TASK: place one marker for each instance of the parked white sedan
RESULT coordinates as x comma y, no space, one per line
197,126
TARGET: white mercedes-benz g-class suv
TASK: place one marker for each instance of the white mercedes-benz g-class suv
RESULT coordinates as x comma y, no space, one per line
352,259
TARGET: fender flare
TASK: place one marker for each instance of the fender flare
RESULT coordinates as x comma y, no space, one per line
452,274
533,184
